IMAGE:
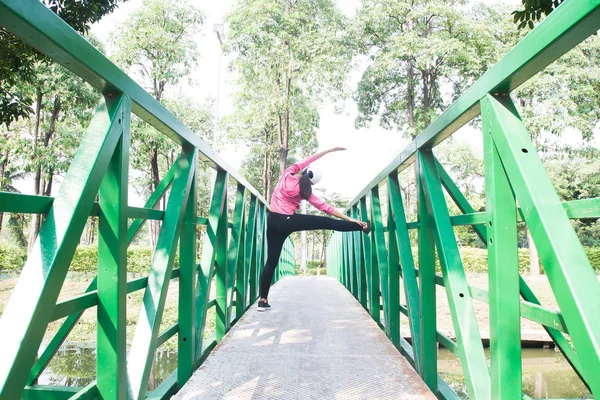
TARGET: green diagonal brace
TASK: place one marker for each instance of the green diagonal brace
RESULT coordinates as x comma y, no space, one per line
402,240
209,252
143,348
470,349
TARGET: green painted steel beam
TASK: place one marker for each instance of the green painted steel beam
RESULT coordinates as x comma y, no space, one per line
147,329
29,310
471,353
563,29
567,267
400,241
361,280
75,305
503,267
39,27
145,213
44,392
111,282
427,291
90,392
240,265
221,274
167,334
233,251
250,255
159,192
186,339
380,260
166,389
209,252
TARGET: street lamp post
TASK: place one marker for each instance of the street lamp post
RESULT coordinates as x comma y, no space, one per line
219,29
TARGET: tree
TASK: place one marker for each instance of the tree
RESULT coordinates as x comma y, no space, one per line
289,53
17,59
566,94
64,107
415,48
157,42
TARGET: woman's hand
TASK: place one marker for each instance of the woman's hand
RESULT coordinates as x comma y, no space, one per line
361,223
337,149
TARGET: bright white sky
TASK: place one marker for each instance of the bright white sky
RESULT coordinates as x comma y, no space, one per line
369,150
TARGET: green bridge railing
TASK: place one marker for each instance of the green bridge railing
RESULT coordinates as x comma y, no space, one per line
233,252
371,267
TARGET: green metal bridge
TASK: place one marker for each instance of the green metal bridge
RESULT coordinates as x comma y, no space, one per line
373,268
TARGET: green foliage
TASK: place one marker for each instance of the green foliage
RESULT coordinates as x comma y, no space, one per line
414,48
157,40
17,59
564,95
532,11
12,257
139,258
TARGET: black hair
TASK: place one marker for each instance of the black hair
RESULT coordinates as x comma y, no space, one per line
306,184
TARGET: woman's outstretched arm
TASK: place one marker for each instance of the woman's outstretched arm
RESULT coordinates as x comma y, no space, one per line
299,166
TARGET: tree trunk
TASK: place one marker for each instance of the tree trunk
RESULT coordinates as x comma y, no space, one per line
264,174
155,182
35,218
269,176
3,167
92,231
426,99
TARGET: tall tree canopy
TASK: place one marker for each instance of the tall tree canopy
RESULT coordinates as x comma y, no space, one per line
290,56
422,54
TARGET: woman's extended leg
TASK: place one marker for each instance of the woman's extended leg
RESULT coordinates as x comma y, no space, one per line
302,222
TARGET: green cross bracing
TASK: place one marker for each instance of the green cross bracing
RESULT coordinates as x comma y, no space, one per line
382,271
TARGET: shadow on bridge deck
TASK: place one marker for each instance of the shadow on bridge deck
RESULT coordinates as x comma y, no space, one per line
316,343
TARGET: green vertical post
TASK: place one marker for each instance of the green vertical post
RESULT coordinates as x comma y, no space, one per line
372,275
186,335
393,277
260,246
29,310
235,245
112,270
360,265
240,278
250,258
143,348
470,349
399,236
503,270
221,275
379,255
209,249
427,292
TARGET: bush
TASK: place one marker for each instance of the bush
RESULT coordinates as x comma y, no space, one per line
12,257
139,259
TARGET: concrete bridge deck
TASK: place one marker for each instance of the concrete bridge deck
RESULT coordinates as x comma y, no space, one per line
317,342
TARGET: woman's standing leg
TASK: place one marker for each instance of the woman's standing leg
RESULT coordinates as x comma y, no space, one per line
275,242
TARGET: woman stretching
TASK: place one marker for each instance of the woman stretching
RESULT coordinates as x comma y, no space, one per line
294,185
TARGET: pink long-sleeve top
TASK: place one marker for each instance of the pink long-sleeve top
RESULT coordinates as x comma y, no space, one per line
286,196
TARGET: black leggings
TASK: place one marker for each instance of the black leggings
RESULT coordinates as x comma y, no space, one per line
280,226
